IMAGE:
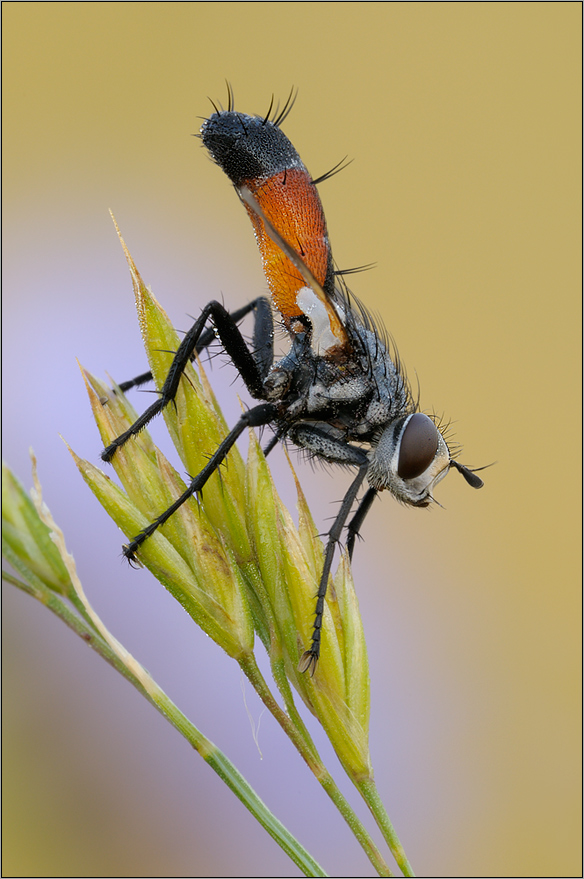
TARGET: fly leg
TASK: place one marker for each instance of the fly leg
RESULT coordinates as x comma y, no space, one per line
333,448
354,526
260,305
309,658
256,417
252,370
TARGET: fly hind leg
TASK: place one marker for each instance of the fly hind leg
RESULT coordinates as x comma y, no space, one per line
259,305
251,365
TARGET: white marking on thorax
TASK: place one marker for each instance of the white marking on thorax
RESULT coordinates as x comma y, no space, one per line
323,337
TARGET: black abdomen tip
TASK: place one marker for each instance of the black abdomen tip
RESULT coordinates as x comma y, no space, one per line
248,147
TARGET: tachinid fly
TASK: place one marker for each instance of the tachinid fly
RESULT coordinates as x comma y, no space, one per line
338,393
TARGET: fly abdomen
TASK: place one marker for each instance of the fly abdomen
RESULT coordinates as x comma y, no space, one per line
248,147
257,155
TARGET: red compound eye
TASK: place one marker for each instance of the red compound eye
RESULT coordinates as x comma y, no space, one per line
418,446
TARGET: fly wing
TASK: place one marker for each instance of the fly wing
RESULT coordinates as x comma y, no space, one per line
327,328
286,213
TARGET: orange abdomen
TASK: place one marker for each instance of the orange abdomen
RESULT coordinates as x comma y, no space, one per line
290,201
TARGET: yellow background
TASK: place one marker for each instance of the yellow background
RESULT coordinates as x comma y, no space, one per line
463,123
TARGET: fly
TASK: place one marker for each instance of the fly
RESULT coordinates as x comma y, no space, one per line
339,393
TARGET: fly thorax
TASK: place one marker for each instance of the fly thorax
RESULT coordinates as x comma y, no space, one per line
409,459
293,373
378,412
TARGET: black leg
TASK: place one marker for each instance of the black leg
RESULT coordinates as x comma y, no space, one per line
309,659
208,336
263,334
354,526
259,415
278,436
233,343
135,382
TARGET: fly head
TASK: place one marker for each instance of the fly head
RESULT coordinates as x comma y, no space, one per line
410,458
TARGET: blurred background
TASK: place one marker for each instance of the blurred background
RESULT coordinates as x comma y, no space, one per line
463,120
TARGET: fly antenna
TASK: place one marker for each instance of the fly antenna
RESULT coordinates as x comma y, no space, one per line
470,474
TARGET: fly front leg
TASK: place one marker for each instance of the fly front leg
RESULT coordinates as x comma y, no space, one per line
328,445
309,658
354,526
252,370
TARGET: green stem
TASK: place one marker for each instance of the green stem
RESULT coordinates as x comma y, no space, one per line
371,796
302,741
33,584
206,748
